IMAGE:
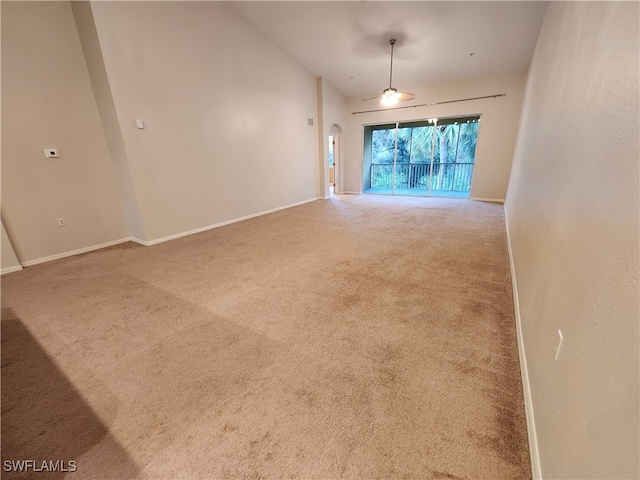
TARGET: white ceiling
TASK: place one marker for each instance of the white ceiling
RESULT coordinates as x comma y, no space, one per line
347,42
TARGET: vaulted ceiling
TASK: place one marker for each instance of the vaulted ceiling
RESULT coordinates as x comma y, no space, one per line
347,42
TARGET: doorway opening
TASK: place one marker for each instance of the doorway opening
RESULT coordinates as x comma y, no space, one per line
332,174
433,157
334,159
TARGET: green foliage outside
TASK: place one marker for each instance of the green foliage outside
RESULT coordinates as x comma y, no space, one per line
453,156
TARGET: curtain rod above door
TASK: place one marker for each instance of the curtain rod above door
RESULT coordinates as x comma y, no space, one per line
431,104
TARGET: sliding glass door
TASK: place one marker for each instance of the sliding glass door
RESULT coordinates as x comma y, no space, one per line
430,157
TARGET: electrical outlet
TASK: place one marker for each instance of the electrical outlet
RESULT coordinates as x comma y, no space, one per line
61,222
226,198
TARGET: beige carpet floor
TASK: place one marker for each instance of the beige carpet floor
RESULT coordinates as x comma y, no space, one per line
356,337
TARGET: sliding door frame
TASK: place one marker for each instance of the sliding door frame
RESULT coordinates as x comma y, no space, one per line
434,123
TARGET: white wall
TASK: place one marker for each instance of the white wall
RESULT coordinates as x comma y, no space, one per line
47,101
333,111
498,130
573,222
225,113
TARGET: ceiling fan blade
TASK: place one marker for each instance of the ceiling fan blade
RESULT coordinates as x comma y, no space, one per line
403,97
406,96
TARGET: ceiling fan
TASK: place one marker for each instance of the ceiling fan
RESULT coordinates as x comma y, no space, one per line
390,96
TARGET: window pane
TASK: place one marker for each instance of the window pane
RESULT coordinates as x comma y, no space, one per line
468,141
404,145
382,145
421,145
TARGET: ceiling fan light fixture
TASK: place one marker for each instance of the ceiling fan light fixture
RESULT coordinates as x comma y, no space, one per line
390,97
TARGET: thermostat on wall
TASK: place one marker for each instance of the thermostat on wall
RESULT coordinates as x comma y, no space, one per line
51,153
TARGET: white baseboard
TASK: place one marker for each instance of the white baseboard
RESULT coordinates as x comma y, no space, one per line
58,256
216,225
492,200
141,242
146,243
536,470
15,268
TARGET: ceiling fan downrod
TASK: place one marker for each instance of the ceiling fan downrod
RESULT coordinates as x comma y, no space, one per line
392,42
390,95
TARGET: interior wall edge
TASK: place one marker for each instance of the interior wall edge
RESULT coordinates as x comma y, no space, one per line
9,261
71,253
534,452
103,96
332,107
320,185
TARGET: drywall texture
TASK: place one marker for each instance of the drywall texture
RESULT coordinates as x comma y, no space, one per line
573,220
47,102
225,113
498,130
333,114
